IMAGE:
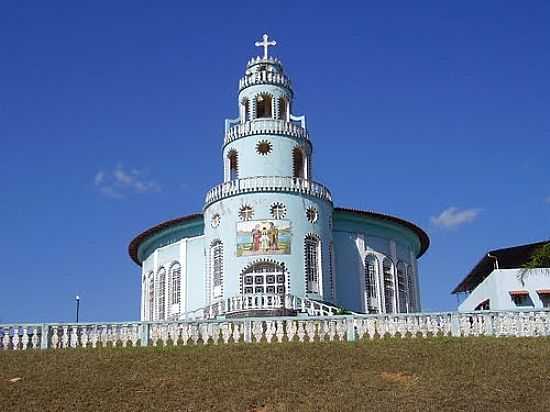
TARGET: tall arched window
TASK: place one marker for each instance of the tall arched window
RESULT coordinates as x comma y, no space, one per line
151,296
402,287
389,285
264,277
175,286
283,109
233,159
161,300
371,275
216,265
298,162
413,304
264,103
312,252
245,110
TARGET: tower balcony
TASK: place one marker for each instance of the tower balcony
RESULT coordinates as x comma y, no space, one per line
265,77
266,126
267,184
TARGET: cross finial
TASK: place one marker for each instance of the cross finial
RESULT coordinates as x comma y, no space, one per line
265,44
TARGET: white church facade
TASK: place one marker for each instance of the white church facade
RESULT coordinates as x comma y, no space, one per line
269,236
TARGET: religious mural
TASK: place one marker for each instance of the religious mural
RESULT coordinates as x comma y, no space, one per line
263,237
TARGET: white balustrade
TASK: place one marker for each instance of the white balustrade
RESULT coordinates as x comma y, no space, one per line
264,77
267,184
265,126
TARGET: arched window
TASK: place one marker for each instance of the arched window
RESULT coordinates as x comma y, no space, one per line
233,164
264,104
175,287
298,162
312,252
245,110
413,304
283,109
389,285
402,287
216,265
161,294
151,296
371,276
265,277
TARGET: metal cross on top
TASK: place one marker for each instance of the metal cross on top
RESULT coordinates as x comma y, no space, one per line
265,44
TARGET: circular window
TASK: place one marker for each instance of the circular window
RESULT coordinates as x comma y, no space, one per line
278,210
246,212
215,220
312,214
264,147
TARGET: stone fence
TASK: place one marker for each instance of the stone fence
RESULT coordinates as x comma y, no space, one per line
277,329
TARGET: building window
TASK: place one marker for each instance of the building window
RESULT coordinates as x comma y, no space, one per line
151,297
175,287
161,294
413,306
264,147
521,298
402,287
312,249
216,256
485,305
283,109
264,277
264,106
331,269
544,295
389,285
245,110
371,276
298,162
312,214
233,158
246,213
278,210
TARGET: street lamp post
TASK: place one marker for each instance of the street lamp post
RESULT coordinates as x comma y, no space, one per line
77,307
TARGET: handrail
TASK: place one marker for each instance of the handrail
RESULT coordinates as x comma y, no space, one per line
267,184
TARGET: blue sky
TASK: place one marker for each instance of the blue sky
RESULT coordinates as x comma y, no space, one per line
111,121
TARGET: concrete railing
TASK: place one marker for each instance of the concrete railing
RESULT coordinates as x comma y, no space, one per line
265,126
276,329
260,302
267,184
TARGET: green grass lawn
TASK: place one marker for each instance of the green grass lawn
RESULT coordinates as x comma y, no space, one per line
391,374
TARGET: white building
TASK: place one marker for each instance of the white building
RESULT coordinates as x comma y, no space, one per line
497,282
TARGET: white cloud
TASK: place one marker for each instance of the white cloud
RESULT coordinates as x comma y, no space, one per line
122,182
453,217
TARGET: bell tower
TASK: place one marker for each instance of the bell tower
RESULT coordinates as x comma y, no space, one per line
268,225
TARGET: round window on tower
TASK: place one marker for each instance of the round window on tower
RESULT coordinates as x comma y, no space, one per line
215,220
264,147
278,210
312,214
246,213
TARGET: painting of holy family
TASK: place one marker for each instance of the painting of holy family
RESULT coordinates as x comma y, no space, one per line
263,237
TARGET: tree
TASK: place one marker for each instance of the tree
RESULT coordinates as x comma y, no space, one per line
540,259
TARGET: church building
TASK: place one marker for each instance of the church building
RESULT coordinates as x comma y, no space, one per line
269,239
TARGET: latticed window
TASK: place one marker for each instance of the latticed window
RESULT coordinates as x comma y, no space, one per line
413,304
371,273
389,285
216,252
331,269
278,210
265,278
161,293
402,287
312,263
151,297
176,284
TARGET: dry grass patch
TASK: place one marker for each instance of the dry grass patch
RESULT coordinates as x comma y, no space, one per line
404,374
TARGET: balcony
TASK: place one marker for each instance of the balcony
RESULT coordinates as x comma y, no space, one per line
267,126
267,184
264,77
